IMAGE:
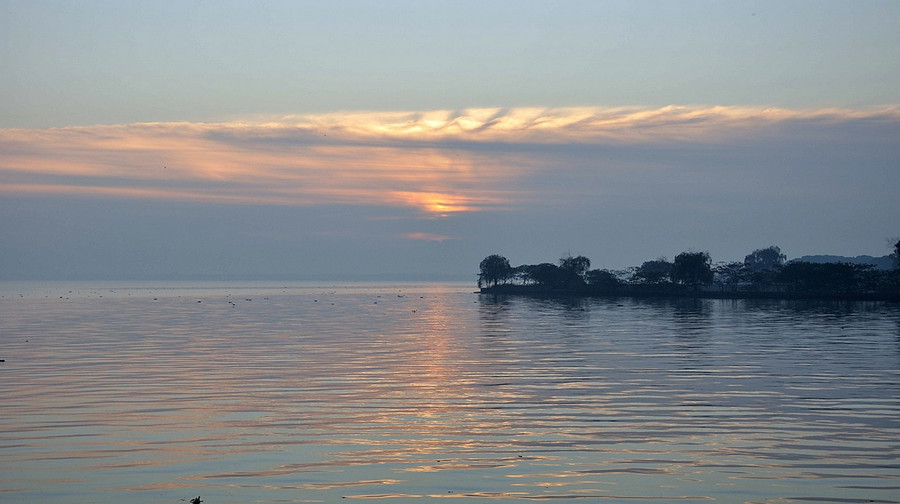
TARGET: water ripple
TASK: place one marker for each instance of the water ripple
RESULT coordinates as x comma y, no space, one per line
413,393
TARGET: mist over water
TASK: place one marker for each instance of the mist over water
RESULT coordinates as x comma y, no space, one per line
419,392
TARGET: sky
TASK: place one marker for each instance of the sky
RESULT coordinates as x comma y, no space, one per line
409,140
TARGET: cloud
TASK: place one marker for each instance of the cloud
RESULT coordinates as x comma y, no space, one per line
438,163
362,192
427,237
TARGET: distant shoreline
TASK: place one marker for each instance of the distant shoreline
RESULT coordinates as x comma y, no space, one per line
677,291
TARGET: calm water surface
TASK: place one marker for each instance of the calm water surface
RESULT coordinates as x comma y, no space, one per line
417,393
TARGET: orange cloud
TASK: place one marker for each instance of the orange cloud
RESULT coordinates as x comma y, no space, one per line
438,162
427,237
180,161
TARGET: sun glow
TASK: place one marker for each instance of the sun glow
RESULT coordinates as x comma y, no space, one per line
439,203
204,163
439,163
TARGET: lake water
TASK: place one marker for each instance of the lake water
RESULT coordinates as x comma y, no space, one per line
414,393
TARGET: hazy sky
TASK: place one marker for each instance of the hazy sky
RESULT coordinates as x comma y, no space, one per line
286,139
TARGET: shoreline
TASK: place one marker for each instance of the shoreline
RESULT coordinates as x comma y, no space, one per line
677,291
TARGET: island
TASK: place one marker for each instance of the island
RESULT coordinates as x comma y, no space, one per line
764,273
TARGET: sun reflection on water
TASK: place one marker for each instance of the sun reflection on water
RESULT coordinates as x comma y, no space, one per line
416,393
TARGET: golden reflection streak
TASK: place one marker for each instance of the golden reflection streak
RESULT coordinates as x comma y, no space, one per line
383,496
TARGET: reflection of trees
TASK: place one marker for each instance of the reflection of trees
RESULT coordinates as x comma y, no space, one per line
495,310
685,310
691,316
494,313
693,329
569,307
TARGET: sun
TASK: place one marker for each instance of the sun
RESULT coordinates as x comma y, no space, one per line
436,203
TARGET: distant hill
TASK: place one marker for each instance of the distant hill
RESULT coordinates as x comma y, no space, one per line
881,263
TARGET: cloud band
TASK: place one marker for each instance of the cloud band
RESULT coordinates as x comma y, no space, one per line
437,162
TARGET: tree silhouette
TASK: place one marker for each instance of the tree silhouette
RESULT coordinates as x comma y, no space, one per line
602,278
897,255
573,270
763,272
731,274
767,258
545,274
494,269
654,272
692,268
575,265
826,278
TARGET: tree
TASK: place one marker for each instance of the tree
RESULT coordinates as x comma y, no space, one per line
826,278
494,269
575,265
654,272
573,270
731,274
545,274
765,259
602,278
520,273
692,268
897,255
763,279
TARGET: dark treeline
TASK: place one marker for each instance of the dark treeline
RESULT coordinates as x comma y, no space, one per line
763,273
